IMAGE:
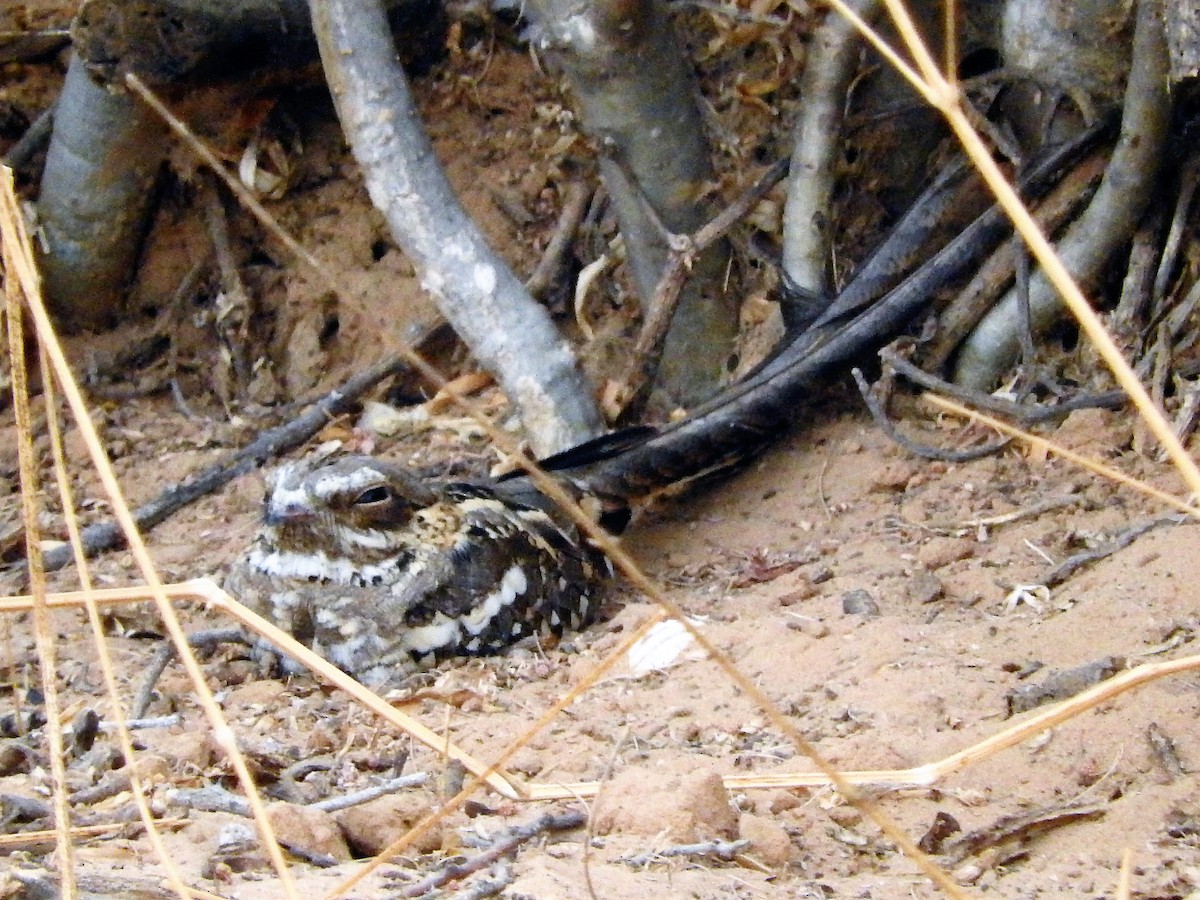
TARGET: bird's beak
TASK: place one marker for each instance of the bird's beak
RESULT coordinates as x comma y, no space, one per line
287,512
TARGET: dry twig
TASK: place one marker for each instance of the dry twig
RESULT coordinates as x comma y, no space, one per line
925,451
722,850
1020,828
505,844
1119,541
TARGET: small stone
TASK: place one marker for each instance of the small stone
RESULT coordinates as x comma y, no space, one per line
941,551
308,832
846,816
860,603
692,806
14,757
237,851
782,801
769,843
925,587
526,762
892,477
821,575
968,873
236,837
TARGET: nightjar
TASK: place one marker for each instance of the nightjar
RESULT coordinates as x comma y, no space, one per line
382,572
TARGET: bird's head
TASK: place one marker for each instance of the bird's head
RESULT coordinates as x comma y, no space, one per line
355,505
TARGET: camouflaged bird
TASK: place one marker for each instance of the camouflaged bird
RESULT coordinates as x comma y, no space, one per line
382,572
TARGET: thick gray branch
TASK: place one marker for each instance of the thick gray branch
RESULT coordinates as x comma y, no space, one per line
1110,219
97,187
638,102
816,145
509,333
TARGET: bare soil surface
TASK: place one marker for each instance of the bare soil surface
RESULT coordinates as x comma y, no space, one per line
890,607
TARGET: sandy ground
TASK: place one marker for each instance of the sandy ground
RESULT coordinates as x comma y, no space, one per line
873,597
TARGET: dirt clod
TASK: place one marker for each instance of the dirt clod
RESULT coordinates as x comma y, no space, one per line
769,842
371,827
939,552
310,833
924,587
687,807
860,603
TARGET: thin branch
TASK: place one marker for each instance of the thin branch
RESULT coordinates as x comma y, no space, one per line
345,801
1119,541
166,653
502,876
816,149
662,305
35,138
234,305
991,279
722,850
1021,412
1188,179
576,199
210,798
879,414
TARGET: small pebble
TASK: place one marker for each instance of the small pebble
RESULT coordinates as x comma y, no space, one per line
860,603
925,587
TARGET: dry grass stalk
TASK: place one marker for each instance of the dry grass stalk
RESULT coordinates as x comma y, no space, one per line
20,269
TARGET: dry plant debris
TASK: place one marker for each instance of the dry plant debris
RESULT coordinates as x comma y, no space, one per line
879,693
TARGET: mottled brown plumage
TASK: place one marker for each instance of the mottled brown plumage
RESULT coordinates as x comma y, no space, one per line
381,572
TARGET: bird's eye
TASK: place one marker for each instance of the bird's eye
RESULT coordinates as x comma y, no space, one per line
371,496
